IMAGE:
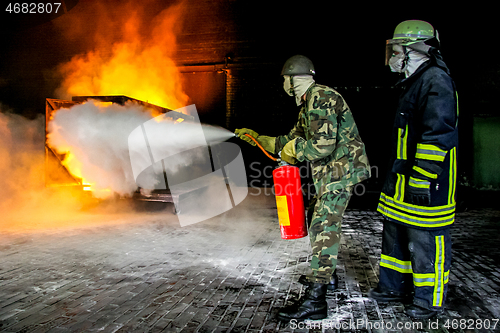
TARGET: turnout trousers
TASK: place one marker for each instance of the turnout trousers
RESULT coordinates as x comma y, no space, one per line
324,233
416,260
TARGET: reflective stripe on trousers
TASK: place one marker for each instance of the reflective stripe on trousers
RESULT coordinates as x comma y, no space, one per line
416,260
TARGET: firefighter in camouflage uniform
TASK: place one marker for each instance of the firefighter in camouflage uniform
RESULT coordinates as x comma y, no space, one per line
418,196
327,137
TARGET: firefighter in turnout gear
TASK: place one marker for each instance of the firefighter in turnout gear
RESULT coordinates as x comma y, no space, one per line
418,196
327,137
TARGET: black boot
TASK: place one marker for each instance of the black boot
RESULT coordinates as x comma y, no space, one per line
384,296
418,312
330,286
312,305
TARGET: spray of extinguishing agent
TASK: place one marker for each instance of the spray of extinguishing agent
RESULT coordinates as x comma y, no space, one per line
289,199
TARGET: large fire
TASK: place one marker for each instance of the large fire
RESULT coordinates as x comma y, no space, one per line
131,55
124,48
136,63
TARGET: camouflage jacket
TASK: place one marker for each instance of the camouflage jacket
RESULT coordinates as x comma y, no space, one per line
328,138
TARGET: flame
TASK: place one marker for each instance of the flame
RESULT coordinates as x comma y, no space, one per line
75,167
93,138
131,55
139,65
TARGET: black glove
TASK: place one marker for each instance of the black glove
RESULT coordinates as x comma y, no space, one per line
418,193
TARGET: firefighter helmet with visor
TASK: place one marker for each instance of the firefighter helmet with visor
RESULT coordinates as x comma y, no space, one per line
408,33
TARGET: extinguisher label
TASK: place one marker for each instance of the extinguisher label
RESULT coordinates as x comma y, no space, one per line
281,204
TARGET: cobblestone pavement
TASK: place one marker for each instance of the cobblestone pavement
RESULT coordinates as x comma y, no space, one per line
142,272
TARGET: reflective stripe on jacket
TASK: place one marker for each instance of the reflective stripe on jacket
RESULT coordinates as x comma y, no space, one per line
424,149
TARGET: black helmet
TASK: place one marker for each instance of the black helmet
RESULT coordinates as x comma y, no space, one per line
298,65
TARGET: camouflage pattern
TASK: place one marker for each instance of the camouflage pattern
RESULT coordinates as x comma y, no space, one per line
328,137
324,233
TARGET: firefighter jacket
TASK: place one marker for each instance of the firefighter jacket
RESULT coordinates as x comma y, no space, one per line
328,138
424,149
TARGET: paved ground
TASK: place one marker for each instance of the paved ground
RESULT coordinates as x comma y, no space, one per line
141,272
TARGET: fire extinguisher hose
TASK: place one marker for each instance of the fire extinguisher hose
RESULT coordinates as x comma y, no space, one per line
262,148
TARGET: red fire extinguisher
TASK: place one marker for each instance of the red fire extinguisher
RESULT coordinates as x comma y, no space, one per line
290,202
289,199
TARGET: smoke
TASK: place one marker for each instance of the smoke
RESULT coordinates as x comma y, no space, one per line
122,48
20,158
97,138
214,134
25,202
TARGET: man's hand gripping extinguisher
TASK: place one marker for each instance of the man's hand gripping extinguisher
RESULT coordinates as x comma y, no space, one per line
289,199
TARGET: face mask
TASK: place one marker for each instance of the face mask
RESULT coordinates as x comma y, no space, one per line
397,60
286,85
300,85
415,60
407,61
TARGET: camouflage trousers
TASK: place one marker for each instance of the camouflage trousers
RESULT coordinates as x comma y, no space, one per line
324,233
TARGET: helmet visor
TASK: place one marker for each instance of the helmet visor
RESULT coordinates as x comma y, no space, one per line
388,50
392,50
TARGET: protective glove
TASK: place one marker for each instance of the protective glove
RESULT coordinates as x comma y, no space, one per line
240,133
420,196
288,153
267,142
